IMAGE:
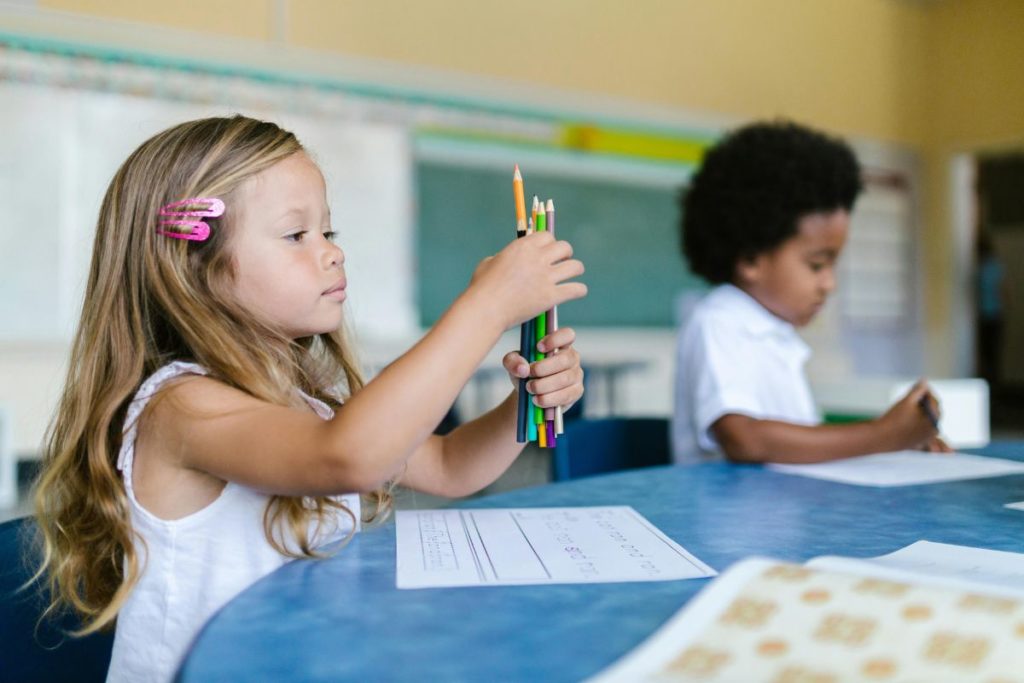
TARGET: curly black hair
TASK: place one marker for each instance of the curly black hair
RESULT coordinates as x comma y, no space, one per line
753,188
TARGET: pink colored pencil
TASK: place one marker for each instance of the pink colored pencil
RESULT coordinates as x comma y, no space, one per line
556,413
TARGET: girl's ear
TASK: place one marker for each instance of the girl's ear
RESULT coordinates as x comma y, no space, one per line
749,269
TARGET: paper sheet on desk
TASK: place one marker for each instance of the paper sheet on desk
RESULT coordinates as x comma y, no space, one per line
904,468
492,547
918,614
941,564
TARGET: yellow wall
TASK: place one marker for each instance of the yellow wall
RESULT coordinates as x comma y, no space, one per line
976,65
805,58
975,77
849,65
236,18
940,76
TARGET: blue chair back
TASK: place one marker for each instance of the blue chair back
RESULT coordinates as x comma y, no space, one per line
42,653
597,446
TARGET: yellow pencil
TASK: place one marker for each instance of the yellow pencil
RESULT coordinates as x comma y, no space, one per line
517,192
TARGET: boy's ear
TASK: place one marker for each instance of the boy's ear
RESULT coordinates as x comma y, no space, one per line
748,269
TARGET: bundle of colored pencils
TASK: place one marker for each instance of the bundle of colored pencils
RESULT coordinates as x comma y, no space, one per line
542,425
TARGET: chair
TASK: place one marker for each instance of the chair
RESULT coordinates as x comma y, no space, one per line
43,654
595,446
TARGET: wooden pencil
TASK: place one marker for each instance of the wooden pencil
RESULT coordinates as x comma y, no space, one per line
525,330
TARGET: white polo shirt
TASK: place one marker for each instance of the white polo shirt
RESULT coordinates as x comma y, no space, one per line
733,356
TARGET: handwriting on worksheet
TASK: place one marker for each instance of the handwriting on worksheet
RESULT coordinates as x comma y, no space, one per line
438,548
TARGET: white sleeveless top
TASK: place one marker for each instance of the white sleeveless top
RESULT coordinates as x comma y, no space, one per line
192,566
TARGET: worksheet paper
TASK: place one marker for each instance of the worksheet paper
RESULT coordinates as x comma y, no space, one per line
955,566
494,547
904,468
927,612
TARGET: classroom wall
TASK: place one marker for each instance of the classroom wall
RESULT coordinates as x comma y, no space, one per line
976,54
939,78
975,103
848,65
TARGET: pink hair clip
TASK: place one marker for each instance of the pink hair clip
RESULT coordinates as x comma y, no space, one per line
184,214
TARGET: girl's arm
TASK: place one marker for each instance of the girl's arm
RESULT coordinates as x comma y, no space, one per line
477,452
904,426
228,434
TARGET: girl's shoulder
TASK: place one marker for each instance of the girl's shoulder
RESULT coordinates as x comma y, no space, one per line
189,392
162,379
151,458
166,375
174,399
185,394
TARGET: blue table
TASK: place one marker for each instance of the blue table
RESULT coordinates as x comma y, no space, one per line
343,619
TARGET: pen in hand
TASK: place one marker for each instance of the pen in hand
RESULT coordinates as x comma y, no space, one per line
929,410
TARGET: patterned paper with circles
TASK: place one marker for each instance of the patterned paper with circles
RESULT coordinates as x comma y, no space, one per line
783,623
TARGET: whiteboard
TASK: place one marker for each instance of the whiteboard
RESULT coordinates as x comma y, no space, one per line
59,148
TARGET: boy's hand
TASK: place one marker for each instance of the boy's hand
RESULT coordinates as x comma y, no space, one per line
936,445
558,379
908,422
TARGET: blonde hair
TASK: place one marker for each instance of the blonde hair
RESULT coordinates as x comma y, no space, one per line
150,300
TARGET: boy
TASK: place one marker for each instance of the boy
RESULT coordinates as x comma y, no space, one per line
765,220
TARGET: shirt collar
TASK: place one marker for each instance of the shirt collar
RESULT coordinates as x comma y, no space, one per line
755,318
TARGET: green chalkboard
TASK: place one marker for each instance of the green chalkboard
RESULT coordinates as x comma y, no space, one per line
625,234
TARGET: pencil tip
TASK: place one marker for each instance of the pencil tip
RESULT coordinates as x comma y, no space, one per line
516,174
550,205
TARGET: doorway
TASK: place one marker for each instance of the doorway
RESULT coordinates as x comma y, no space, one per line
998,286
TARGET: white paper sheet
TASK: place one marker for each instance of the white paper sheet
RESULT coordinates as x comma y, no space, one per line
904,468
492,547
945,564
645,662
761,619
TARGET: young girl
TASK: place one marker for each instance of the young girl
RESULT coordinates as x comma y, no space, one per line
200,442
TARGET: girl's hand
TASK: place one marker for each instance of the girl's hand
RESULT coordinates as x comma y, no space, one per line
526,278
558,379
